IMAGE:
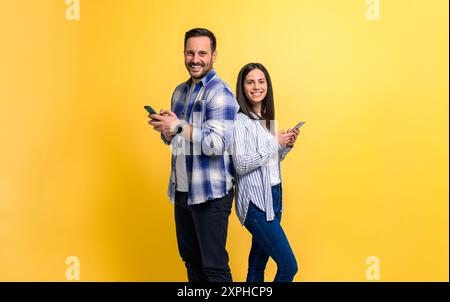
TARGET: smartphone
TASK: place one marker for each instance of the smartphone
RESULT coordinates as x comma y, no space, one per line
150,109
297,126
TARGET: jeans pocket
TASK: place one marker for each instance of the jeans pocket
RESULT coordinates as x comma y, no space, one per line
250,214
277,198
224,204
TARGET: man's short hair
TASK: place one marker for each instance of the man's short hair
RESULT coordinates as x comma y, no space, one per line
201,32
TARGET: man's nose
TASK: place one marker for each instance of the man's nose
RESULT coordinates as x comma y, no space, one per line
196,59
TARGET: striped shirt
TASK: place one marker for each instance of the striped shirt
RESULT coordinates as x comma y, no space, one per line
253,149
211,113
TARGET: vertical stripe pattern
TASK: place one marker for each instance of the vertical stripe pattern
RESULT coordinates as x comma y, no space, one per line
253,147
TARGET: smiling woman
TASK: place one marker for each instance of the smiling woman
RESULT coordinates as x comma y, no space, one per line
255,87
256,157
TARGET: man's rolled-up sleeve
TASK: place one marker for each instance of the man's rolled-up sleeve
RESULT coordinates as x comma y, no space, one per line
215,134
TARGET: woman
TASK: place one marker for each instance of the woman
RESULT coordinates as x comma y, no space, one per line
256,156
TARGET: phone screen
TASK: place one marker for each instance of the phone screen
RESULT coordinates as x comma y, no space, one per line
150,109
298,126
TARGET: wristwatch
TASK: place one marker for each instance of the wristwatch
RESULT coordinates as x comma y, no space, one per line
178,129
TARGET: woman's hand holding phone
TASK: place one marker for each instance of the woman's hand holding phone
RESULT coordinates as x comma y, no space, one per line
296,131
284,138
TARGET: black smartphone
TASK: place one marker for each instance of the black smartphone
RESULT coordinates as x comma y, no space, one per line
150,109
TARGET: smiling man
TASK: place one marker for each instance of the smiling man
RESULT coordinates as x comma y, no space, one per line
199,127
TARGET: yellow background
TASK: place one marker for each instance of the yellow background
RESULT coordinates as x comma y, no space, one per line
82,174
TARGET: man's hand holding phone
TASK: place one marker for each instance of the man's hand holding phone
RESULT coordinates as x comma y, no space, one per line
167,123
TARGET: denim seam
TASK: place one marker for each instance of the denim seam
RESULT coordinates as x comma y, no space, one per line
265,237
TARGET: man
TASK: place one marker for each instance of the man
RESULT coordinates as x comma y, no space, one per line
199,128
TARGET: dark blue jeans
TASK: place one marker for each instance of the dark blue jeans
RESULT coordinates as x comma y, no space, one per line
269,240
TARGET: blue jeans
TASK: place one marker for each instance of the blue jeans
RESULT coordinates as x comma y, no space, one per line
269,240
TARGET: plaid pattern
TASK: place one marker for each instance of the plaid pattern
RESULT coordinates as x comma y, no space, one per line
208,163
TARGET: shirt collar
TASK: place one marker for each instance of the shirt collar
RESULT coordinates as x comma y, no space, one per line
205,80
255,115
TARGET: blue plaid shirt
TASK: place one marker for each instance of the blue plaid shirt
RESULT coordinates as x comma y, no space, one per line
211,111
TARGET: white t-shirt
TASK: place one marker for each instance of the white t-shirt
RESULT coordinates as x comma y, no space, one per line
180,169
273,165
181,178
274,169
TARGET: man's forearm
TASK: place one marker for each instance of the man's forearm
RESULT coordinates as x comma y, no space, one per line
167,137
187,132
